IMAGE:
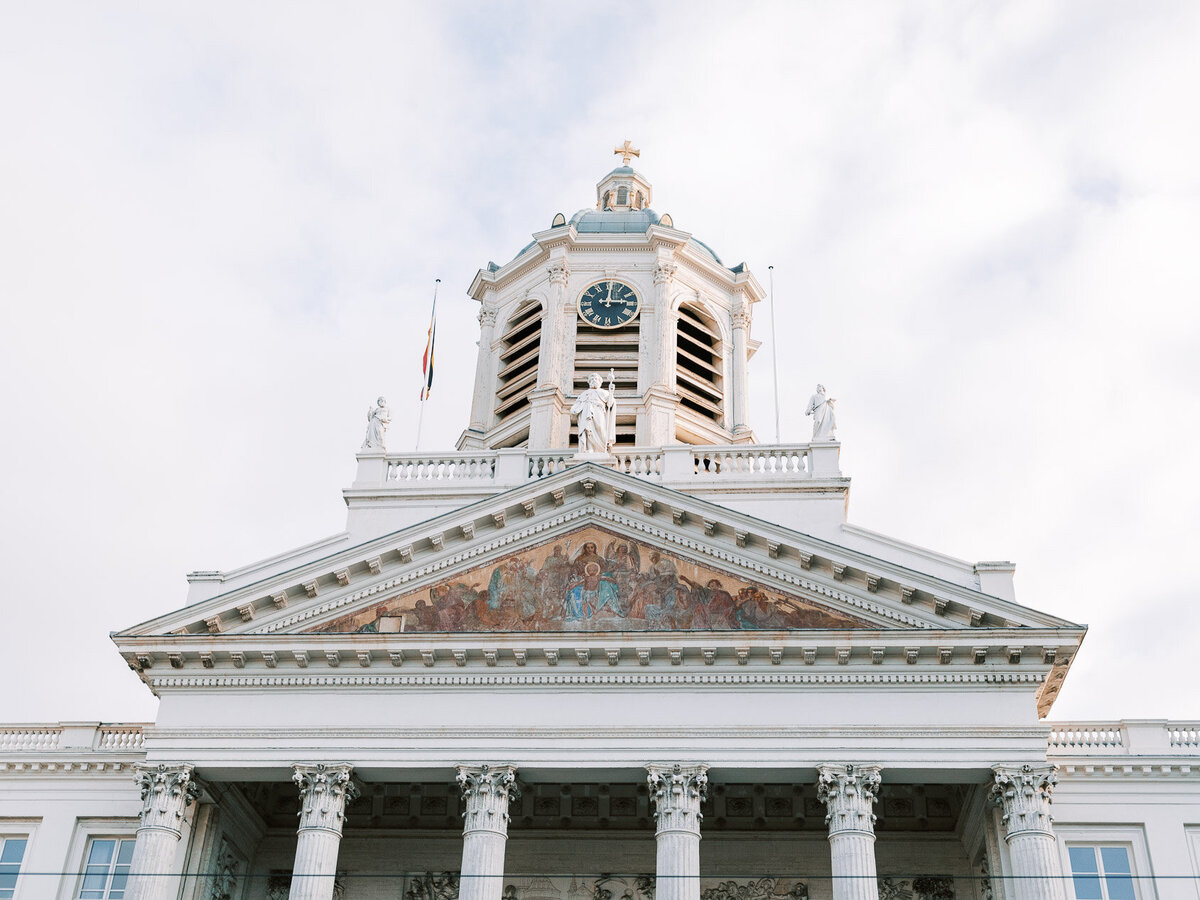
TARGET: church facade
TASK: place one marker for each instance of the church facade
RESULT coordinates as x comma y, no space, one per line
611,647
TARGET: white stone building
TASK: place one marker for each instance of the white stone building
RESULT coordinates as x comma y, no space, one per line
530,673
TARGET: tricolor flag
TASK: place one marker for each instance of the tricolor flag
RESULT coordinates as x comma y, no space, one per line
427,361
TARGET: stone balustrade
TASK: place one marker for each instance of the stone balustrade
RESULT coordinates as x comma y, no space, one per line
682,466
70,736
1127,737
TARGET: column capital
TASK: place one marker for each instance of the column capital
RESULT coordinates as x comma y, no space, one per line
1023,795
677,791
664,273
487,791
324,792
849,793
558,272
167,792
487,317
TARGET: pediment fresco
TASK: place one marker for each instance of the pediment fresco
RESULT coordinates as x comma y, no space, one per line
590,580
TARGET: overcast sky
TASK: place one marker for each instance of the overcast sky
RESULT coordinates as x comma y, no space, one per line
221,223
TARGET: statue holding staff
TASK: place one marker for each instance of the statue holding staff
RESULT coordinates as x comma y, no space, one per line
820,407
378,419
596,412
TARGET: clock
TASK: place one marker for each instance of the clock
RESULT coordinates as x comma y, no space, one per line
608,304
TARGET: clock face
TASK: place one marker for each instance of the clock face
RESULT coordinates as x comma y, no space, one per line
608,304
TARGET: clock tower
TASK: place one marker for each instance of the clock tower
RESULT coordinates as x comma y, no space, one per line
616,287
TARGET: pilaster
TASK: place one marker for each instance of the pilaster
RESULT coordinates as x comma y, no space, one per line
849,793
737,417
485,380
167,792
1023,795
677,792
324,792
486,792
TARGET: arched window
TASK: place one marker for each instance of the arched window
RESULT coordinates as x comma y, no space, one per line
622,196
698,364
600,349
518,361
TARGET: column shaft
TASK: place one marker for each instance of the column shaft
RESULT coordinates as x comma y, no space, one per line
487,791
849,794
167,791
1023,794
677,792
324,793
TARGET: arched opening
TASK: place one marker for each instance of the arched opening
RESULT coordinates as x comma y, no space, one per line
600,349
699,364
622,196
519,349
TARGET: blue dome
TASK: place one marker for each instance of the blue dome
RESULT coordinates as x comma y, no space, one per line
624,221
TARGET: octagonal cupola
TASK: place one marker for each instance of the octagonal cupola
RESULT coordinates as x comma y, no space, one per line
624,188
616,291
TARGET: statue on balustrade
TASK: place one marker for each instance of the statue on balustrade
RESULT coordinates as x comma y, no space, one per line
378,419
596,412
820,407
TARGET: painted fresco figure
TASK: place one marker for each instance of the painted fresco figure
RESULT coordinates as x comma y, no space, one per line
590,594
593,408
379,417
820,407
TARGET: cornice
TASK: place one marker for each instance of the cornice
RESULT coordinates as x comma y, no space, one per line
589,680
400,736
1139,769
75,768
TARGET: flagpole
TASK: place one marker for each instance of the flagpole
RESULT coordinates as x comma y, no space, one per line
427,374
774,351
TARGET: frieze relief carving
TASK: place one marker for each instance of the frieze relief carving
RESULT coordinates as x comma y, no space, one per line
226,868
590,580
167,792
429,886
432,886
924,887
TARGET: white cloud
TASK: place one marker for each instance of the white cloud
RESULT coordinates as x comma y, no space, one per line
222,225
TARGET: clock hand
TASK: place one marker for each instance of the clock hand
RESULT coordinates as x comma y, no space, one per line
608,299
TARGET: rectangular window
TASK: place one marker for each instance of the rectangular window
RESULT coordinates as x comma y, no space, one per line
12,851
106,869
1101,872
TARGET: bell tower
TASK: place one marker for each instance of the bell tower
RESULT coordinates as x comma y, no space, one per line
617,287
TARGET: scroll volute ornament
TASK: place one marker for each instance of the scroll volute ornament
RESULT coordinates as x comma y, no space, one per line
849,794
487,791
324,792
167,792
677,793
1023,795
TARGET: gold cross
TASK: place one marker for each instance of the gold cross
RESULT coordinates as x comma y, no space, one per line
626,151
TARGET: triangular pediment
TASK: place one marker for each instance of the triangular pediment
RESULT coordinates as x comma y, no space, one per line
592,579
491,567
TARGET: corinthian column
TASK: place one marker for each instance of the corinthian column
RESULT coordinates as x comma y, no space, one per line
677,792
487,791
324,793
1023,795
849,793
167,791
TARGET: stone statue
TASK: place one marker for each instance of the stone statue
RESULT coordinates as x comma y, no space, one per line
378,419
595,409
820,407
